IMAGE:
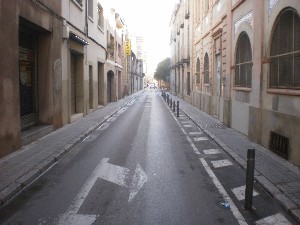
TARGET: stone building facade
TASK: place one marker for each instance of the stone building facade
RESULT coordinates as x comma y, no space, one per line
57,65
31,70
245,58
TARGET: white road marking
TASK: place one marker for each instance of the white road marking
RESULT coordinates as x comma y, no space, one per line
187,121
71,217
217,183
138,181
212,151
223,192
195,133
103,126
188,125
221,163
200,139
187,137
115,174
239,192
112,119
104,170
277,219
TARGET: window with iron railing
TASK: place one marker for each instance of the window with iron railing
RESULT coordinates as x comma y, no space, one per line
285,52
243,60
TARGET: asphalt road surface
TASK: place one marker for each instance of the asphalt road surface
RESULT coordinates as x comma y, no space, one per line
143,166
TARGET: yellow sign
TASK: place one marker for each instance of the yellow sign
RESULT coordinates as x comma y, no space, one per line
127,48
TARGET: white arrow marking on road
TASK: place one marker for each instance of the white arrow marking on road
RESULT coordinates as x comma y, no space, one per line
115,174
138,181
71,217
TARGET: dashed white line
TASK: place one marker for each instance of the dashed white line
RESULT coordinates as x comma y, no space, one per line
277,219
221,163
211,151
239,192
195,133
223,192
200,139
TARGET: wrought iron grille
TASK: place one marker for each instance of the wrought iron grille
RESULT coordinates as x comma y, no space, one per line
279,144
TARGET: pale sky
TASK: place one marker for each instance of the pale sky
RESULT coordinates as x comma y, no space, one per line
149,18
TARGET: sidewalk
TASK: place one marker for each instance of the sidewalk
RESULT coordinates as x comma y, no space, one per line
277,176
23,166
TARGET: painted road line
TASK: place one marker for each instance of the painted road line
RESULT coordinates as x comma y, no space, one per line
138,180
187,137
277,219
221,163
188,125
187,122
71,216
195,133
103,126
217,183
211,151
223,192
239,192
200,139
109,172
111,119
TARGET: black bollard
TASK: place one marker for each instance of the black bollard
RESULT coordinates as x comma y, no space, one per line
249,179
174,106
171,103
168,99
177,108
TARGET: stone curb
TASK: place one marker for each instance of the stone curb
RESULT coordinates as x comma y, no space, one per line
13,189
288,205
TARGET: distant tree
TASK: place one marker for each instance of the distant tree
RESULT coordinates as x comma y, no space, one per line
162,71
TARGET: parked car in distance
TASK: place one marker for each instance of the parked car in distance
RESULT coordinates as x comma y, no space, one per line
152,86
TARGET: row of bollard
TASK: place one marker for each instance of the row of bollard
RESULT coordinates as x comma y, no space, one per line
250,160
172,104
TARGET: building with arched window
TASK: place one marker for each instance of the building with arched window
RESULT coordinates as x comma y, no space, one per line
245,67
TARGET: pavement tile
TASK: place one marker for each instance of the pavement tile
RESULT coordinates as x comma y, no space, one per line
285,202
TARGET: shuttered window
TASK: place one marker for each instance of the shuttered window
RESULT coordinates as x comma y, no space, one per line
206,69
285,51
198,71
243,60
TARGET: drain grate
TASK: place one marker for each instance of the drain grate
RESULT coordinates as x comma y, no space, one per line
279,144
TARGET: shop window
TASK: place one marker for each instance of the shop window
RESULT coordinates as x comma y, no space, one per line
243,60
285,51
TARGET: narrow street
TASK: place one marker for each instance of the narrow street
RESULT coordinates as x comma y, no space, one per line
143,166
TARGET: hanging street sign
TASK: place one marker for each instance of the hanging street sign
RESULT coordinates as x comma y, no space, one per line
127,48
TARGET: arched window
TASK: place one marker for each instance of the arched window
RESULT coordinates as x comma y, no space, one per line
285,51
198,71
243,60
206,69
